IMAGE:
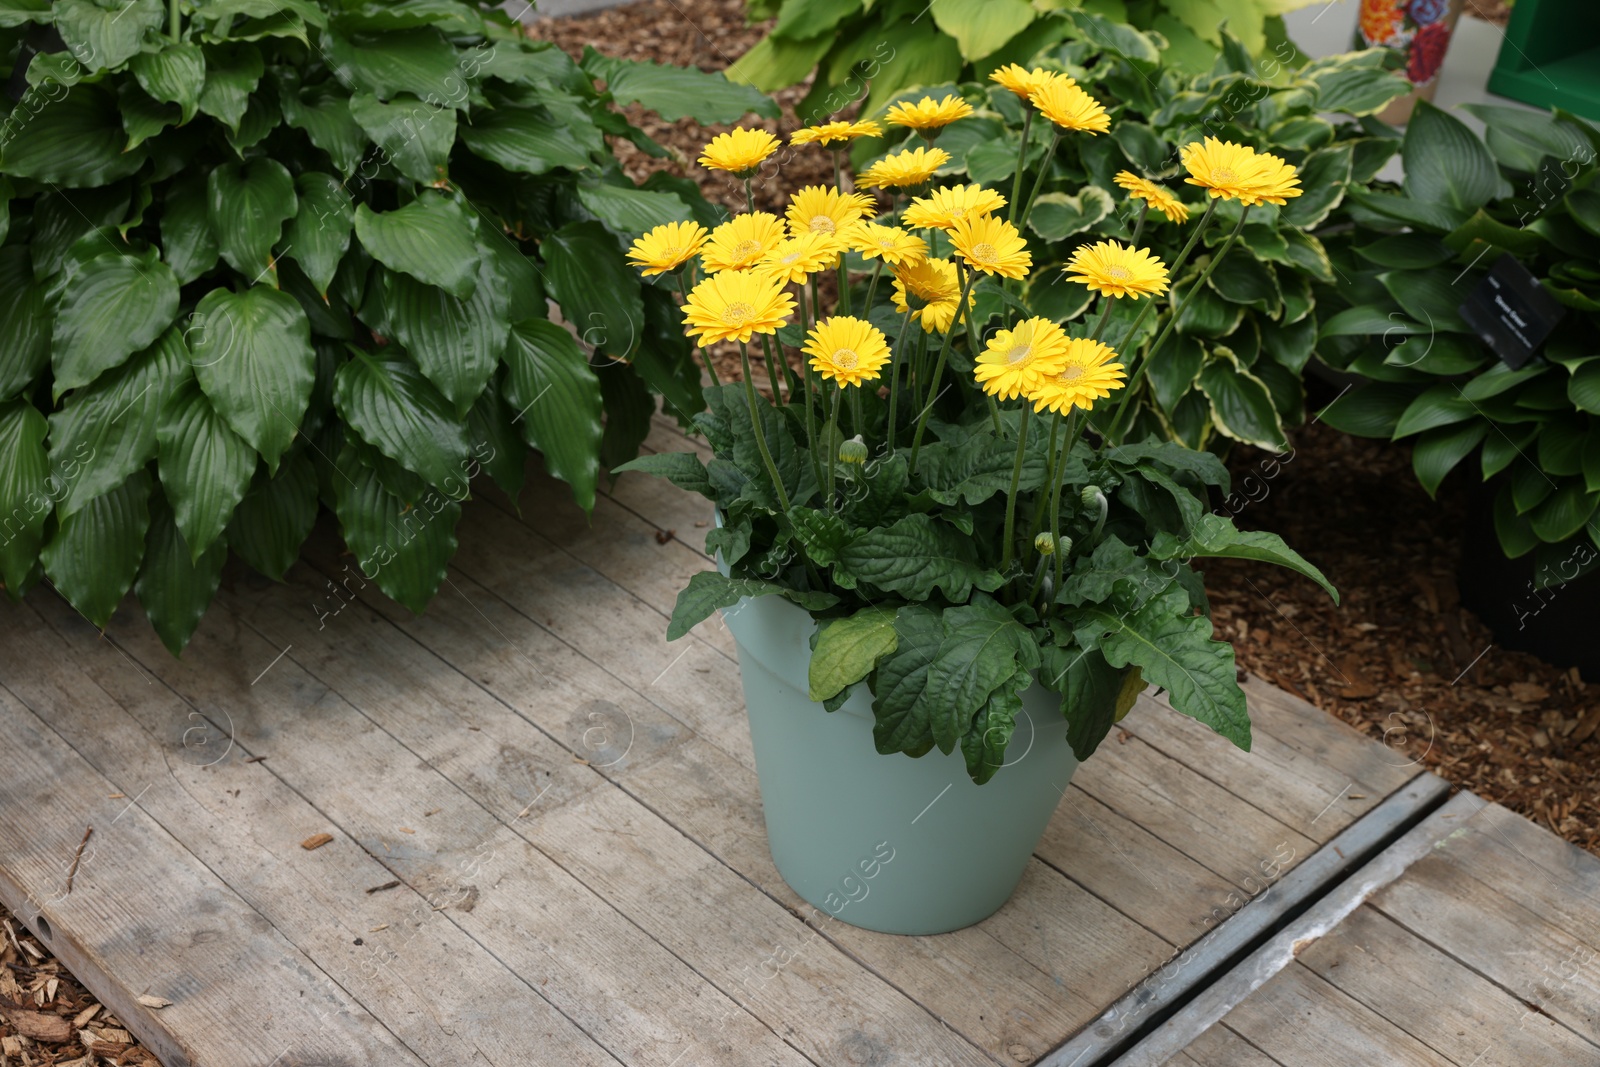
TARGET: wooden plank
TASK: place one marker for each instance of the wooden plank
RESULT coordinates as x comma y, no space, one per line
1221,1047
249,830
1431,996
618,984
145,917
714,799
1297,1018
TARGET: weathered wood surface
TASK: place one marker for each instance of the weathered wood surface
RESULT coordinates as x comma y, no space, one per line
1480,948
568,806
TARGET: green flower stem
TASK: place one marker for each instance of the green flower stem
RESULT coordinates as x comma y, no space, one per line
838,170
1022,159
972,347
855,410
174,28
761,436
772,371
1172,321
1138,228
844,286
894,376
705,353
830,433
1073,429
1016,480
872,289
1044,493
1105,317
938,369
805,373
749,196
1038,183
1133,331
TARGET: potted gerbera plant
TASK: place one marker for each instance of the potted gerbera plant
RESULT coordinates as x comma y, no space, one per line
932,540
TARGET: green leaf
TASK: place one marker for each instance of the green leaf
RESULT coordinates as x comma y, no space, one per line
709,591
1366,319
232,73
24,322
1430,296
1438,451
95,554
176,74
1324,174
415,136
319,234
187,243
1446,163
1436,216
106,34
1406,250
14,13
900,705
773,63
323,112
1241,405
456,342
1216,536
76,142
805,18
142,117
557,399
418,61
1584,387
247,205
526,141
682,469
983,746
430,239
848,649
1565,512
1246,280
112,307
597,290
912,558
398,411
25,496
1175,650
1438,405
680,92
276,516
404,549
982,26
1057,215
983,648
205,467
253,357
174,585
1172,374
1089,687
630,210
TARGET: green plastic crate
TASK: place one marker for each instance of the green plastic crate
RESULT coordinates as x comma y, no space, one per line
1551,56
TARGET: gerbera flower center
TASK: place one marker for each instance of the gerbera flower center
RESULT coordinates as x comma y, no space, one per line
739,312
845,359
747,248
1118,272
791,257
672,252
985,252
1019,353
822,224
1223,174
886,242
1071,372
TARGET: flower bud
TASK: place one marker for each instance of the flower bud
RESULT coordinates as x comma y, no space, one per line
1064,546
853,451
1044,544
1092,496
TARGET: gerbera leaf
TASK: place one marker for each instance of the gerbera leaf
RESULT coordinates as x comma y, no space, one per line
1216,536
848,649
914,557
709,591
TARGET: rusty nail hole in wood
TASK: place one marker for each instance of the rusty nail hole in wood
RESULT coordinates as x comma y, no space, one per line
43,926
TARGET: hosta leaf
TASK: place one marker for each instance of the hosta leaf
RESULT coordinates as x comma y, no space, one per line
24,324
1438,451
708,591
678,92
912,558
247,205
416,136
527,141
76,142
176,74
848,649
106,431
457,343
400,413
253,357
143,117
403,549
1445,163
1172,374
419,61
495,444
114,306
232,72
187,243
276,516
319,233
430,239
108,33
25,484
597,290
451,15
630,210
323,112
1241,405
14,13
174,585
95,553
205,467
1438,405
1057,215
557,400
1324,175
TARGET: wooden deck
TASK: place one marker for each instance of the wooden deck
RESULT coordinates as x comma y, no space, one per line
547,845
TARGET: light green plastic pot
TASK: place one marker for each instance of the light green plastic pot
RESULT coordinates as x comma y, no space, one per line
889,843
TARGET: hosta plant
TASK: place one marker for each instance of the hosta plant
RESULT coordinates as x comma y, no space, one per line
261,254
1525,190
955,502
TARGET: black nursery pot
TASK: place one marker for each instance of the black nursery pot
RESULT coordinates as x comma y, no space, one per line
1560,625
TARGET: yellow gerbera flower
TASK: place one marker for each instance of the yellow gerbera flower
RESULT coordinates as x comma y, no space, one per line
1017,361
889,243
667,247
911,166
742,241
829,132
1275,182
823,209
948,206
735,306
933,284
1156,196
927,116
1026,82
797,258
1117,270
847,350
992,246
1070,108
1225,170
1086,374
739,150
